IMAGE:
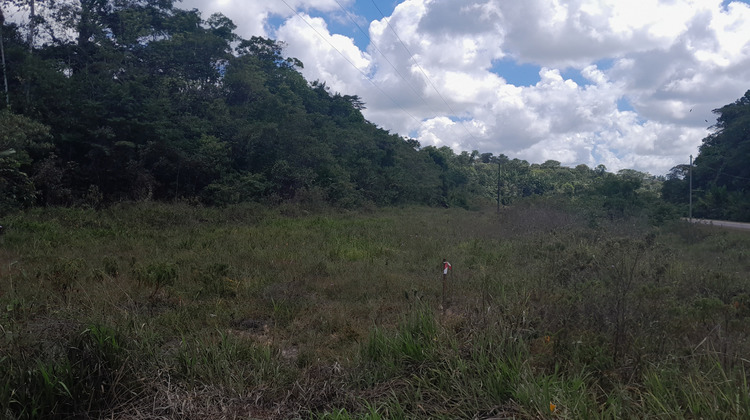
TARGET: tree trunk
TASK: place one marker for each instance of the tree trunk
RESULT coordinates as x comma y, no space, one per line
32,25
32,29
2,59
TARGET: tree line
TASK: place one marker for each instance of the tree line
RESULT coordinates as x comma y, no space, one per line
137,99
720,174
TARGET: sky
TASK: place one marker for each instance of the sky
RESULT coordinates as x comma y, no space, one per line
627,84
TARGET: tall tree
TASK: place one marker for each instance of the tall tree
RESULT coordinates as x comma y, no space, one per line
2,59
20,139
723,157
721,175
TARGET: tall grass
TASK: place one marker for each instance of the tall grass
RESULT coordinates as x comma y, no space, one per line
151,310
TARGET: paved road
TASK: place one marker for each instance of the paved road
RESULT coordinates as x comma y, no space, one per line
722,223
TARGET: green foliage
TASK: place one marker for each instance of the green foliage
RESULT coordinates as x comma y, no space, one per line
412,344
110,266
224,358
20,137
720,175
84,375
340,315
672,393
65,272
154,102
234,189
215,280
155,275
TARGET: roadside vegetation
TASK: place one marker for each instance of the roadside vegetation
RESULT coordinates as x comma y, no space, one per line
152,102
192,230
149,310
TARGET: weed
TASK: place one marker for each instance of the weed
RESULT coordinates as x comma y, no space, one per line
65,272
155,275
215,280
224,358
110,266
88,375
337,315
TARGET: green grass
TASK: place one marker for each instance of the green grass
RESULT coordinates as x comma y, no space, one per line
151,310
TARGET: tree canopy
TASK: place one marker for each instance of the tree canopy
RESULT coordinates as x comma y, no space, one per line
720,174
137,99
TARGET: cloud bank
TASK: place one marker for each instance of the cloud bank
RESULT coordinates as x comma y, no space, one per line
624,84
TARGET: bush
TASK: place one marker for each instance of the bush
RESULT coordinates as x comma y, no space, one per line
155,275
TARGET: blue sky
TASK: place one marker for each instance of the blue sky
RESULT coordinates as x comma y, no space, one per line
624,84
357,16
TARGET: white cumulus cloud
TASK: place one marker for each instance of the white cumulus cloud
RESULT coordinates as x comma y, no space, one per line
624,84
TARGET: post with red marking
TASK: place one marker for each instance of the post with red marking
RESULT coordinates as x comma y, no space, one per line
446,266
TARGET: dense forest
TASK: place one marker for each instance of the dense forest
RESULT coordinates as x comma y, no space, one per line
148,101
720,173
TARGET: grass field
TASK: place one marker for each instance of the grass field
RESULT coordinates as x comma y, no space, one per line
151,311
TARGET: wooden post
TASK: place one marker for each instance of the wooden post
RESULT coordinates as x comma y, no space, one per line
444,281
498,185
446,267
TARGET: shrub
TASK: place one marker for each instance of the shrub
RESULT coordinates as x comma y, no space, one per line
155,275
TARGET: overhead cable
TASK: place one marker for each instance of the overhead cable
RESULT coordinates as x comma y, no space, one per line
421,69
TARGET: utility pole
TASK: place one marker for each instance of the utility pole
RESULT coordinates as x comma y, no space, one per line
2,58
498,186
32,25
690,194
32,29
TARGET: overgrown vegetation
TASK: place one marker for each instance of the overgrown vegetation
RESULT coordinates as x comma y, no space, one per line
111,101
581,297
176,311
140,100
720,176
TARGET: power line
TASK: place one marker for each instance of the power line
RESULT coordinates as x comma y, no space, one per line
382,54
422,70
733,176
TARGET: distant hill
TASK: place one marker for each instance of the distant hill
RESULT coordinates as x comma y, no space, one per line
148,101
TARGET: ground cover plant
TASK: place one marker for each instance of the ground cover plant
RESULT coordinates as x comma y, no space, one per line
155,310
